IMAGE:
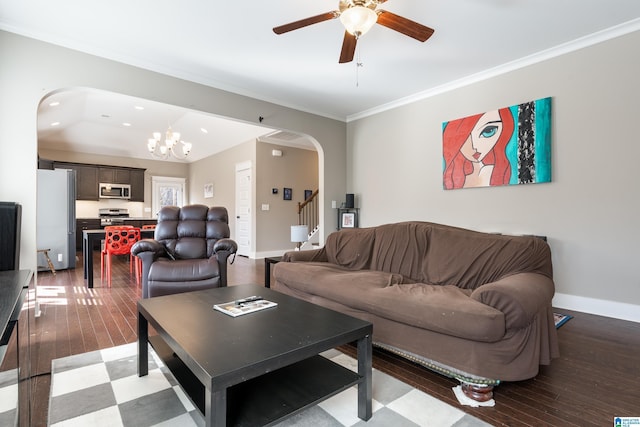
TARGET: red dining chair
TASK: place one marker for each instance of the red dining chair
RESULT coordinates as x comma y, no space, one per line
118,241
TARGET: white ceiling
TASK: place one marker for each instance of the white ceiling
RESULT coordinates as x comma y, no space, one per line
230,45
99,122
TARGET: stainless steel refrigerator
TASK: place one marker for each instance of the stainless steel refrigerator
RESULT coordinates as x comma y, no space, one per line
56,217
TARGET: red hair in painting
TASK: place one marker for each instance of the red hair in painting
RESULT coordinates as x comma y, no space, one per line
457,167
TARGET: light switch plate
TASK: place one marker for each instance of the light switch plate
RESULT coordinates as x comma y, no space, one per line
265,207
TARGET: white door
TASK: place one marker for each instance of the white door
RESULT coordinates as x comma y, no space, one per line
243,208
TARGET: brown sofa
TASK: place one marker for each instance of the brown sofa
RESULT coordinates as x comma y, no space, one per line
474,306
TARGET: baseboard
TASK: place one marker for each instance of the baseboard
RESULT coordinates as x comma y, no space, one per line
616,310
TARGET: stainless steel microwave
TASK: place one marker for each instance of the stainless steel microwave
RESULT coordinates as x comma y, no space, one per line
114,191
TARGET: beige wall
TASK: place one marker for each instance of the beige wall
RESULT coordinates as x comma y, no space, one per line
589,211
220,170
35,69
296,169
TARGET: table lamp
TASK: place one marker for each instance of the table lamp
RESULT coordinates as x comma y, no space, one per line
299,235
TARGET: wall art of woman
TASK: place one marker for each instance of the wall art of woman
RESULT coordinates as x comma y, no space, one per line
474,150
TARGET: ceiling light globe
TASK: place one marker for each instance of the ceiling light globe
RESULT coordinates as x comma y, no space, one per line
357,20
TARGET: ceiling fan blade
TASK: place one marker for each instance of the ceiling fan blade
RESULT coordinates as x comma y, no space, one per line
306,22
405,26
348,48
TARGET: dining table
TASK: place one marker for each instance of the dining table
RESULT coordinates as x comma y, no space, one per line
89,238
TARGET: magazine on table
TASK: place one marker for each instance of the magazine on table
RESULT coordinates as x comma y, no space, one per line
244,306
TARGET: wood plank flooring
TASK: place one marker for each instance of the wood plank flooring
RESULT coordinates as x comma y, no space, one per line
596,378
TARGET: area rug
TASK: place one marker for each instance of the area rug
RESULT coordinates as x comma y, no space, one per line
560,319
102,388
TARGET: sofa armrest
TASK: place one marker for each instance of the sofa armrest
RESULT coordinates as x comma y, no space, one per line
313,255
520,297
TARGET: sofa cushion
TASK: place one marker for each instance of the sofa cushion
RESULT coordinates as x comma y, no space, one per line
331,281
401,248
443,309
350,248
469,259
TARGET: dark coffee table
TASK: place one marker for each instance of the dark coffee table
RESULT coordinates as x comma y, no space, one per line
259,368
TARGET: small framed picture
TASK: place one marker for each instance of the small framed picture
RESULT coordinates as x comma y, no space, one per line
307,194
348,220
208,191
274,191
287,193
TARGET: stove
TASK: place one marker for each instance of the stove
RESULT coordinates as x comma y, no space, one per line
112,216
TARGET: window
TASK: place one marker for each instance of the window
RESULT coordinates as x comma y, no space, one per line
167,191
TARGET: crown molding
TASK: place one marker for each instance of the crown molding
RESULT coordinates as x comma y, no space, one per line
572,46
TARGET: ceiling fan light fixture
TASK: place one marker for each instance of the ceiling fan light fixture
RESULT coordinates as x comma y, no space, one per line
357,20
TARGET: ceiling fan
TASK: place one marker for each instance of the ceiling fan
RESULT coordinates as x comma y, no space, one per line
358,16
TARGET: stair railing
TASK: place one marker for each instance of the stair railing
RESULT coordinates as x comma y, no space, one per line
308,212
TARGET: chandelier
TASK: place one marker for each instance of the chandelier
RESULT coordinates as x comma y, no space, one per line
172,145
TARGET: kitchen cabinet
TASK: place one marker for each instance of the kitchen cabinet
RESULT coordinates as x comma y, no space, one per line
137,185
86,179
86,182
113,175
85,224
89,176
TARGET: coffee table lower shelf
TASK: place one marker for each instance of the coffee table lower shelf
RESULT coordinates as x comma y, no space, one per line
272,397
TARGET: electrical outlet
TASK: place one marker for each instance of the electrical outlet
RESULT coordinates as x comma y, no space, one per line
334,204
59,257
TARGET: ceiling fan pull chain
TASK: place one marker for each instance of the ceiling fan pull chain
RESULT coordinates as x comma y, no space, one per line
359,64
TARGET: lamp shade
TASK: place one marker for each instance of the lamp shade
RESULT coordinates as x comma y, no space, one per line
357,20
299,233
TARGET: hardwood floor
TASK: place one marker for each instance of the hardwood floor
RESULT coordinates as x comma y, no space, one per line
596,378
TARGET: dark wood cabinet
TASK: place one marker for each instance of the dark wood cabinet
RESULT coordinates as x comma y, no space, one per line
137,185
89,176
114,175
85,224
86,179
86,182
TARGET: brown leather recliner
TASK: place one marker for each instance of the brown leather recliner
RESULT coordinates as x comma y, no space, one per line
189,252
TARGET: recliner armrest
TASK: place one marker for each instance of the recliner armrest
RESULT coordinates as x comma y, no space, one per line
227,245
148,245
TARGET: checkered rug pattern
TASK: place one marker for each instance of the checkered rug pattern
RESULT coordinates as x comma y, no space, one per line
102,388
8,397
